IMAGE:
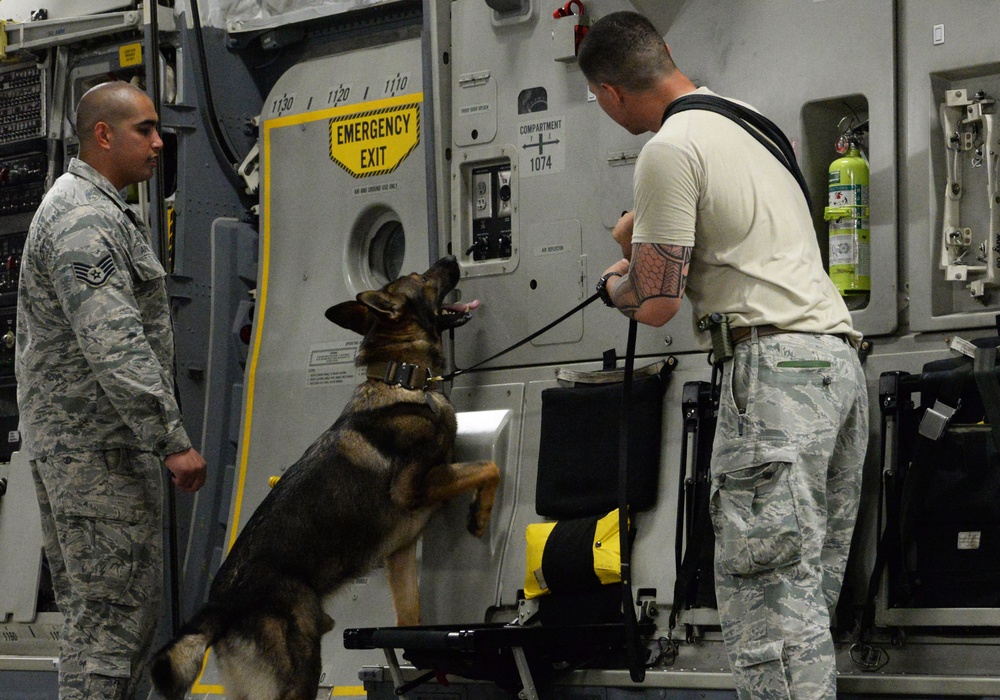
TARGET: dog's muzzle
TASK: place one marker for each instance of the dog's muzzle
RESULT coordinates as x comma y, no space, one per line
455,315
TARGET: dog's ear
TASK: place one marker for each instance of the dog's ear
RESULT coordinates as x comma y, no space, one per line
387,305
352,315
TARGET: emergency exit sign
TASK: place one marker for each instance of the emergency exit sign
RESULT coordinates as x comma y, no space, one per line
373,138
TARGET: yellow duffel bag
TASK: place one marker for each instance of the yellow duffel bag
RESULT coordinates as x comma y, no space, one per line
572,556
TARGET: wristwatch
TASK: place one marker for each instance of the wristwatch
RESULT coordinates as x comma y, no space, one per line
602,288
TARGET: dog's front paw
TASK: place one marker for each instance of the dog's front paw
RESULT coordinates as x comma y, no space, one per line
478,519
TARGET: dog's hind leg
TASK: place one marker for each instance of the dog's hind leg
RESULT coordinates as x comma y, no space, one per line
273,652
401,568
308,623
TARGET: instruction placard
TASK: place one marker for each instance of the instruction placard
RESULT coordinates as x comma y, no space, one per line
333,363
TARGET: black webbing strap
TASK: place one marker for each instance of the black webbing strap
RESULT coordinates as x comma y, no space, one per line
756,124
889,543
636,657
683,497
984,370
688,569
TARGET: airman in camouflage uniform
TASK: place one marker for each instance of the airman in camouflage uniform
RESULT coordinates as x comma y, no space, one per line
94,362
786,479
720,220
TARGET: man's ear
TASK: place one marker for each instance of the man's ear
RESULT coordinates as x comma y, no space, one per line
352,315
616,92
103,135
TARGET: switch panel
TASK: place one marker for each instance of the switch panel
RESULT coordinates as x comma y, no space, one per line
492,207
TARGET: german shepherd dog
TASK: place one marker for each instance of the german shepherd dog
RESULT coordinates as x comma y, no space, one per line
359,496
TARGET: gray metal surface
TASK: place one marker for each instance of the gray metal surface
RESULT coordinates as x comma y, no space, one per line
20,542
965,59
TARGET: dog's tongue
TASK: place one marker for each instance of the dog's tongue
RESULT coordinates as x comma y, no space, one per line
463,308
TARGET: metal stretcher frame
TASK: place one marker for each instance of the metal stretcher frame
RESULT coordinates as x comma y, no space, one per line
512,656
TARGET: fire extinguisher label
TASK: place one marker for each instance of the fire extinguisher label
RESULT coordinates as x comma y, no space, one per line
848,195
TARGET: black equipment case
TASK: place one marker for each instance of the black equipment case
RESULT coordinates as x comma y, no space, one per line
938,560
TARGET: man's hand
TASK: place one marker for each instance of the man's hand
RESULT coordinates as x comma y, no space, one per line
622,233
187,469
620,267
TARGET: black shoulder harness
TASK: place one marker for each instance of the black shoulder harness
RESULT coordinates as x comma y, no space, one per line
755,124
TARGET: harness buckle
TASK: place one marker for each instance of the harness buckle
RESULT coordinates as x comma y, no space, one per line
405,375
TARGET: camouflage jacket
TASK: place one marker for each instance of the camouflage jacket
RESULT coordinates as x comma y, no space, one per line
94,353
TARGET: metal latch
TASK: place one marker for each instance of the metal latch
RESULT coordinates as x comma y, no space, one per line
935,420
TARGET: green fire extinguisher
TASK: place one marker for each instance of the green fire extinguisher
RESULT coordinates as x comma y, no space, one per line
848,214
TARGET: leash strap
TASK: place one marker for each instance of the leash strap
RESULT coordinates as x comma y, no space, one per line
756,124
515,346
636,659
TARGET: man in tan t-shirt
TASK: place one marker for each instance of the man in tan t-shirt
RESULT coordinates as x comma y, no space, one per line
719,218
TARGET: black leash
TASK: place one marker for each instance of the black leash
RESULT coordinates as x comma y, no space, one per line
636,659
515,346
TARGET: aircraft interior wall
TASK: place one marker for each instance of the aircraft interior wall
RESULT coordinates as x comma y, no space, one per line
278,202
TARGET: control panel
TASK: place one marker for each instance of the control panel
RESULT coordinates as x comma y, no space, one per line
22,182
22,103
492,208
11,250
485,232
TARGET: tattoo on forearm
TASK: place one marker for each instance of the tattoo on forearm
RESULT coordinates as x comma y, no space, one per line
656,271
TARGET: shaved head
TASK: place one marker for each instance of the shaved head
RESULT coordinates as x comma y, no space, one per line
116,123
112,103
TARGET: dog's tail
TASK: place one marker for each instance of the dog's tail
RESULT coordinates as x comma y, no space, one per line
175,667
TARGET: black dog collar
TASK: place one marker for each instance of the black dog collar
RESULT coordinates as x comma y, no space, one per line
402,374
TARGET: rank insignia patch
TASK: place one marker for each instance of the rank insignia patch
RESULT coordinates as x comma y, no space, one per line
95,275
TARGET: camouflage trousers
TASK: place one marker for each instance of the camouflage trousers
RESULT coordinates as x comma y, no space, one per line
786,480
102,524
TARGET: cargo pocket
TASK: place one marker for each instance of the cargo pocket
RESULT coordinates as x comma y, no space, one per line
112,666
107,675
755,516
761,667
100,557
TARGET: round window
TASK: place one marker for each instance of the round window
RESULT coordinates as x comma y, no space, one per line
386,250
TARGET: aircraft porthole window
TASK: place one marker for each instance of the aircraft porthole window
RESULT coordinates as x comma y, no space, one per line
533,99
375,249
386,251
